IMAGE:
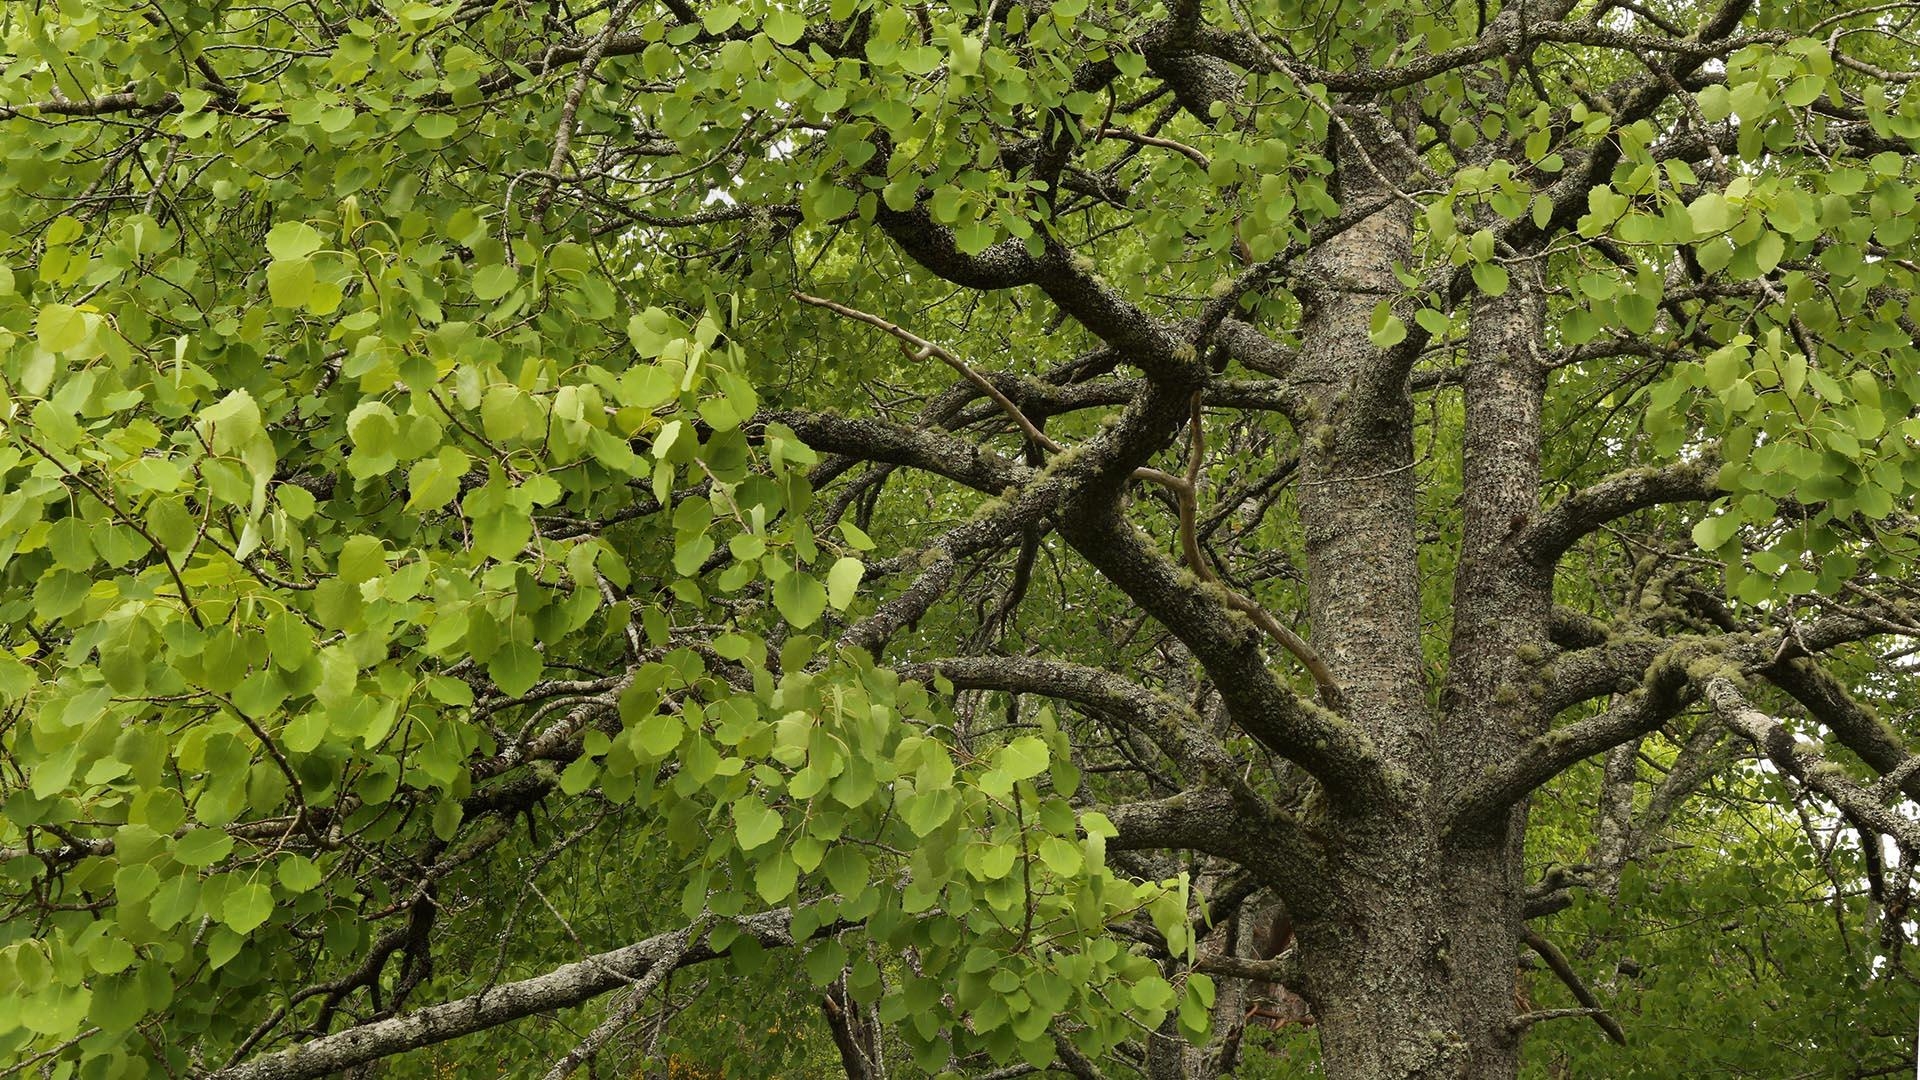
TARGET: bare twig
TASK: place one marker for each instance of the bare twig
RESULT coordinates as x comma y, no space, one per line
563,139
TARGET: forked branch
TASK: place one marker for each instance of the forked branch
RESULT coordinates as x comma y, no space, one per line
1185,489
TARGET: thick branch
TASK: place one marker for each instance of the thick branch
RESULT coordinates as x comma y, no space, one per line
1322,742
1663,694
1210,821
1857,727
922,448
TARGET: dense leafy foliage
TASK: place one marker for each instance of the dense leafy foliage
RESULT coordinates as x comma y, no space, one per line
443,536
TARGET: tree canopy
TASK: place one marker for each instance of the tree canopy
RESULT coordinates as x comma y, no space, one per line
751,538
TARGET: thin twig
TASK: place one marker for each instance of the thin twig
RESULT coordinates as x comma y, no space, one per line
920,349
1189,497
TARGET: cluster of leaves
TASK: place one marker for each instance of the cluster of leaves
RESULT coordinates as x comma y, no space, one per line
334,504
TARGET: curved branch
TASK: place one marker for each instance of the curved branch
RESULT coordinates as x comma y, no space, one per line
1804,763
1188,494
1562,967
1165,721
1855,725
1327,745
1565,522
1664,693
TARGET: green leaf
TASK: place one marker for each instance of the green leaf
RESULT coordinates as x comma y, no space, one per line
435,126
1804,91
1710,213
925,811
825,961
776,876
1200,986
202,847
60,328
297,873
290,282
660,734
60,593
754,822
848,871
828,200
292,240
119,1002
373,428
1385,329
515,667
579,775
494,282
843,578
247,907
1023,758
800,599
446,819
1063,857
1714,533
434,482
1153,992
784,25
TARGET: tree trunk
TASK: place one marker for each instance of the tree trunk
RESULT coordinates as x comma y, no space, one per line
1409,941
1409,978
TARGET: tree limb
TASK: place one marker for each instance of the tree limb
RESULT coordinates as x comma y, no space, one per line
622,1014
1565,522
562,987
1557,961
1808,765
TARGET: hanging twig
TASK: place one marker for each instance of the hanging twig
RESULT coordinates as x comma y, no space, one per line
1197,561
